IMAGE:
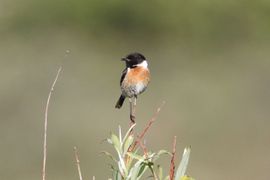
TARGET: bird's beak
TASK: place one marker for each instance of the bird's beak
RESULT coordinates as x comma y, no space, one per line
124,59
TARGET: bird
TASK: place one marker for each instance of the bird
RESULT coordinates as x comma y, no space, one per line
134,79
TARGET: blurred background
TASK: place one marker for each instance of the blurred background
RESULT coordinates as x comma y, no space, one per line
209,61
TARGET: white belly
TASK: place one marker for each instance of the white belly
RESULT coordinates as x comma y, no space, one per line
130,91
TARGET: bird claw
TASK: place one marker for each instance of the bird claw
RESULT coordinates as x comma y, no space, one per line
132,118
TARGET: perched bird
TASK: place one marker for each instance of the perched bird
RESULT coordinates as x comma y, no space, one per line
134,79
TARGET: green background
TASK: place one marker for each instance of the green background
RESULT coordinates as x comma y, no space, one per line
209,61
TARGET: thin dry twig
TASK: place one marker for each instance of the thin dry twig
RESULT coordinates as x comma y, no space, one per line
172,166
78,162
46,124
144,149
152,120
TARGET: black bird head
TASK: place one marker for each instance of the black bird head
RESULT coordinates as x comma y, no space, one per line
133,59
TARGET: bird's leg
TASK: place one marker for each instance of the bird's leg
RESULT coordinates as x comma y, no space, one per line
132,110
135,100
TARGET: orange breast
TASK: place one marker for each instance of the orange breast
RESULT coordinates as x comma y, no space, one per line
137,75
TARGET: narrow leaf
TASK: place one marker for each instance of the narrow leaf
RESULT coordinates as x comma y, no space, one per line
186,178
127,144
160,172
117,175
161,152
120,136
135,170
181,170
109,141
135,156
116,143
108,155
128,132
167,178
142,170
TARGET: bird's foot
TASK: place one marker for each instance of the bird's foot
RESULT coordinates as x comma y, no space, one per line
132,119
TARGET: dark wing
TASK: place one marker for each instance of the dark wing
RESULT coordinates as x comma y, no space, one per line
123,76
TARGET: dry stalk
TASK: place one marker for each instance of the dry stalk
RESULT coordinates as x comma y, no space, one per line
46,124
172,166
144,149
78,162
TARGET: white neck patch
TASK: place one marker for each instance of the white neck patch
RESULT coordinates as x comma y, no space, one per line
143,64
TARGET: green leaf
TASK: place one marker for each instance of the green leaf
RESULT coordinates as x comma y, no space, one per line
133,173
128,132
117,175
122,168
167,178
186,178
181,170
127,144
116,143
142,169
161,152
120,136
135,169
109,141
160,172
108,155
151,166
135,156
129,163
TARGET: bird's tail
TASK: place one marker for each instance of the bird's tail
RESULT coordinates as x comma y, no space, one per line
120,102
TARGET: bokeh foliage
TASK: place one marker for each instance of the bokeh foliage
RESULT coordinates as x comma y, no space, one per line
199,20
